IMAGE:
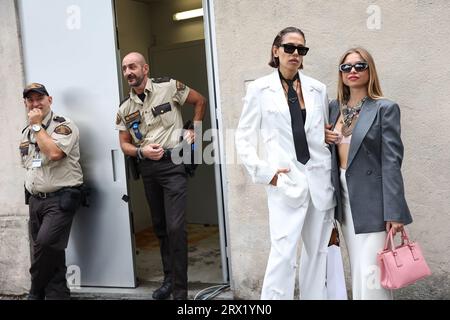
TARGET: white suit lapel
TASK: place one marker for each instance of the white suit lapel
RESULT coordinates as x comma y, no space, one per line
281,102
308,98
279,97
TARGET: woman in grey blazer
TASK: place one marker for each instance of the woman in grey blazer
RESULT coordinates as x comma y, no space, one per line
367,153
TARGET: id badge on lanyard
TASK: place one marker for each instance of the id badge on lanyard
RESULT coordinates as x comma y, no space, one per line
37,161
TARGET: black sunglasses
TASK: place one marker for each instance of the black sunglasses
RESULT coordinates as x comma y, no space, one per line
359,66
290,48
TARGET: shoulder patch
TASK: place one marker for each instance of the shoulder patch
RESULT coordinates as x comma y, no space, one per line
59,119
24,148
124,99
161,79
118,119
180,85
63,129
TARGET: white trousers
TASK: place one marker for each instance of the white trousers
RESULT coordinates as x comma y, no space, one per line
362,249
287,224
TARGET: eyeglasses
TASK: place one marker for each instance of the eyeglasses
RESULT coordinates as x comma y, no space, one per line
290,48
359,66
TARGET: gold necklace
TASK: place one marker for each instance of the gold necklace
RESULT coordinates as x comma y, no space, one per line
297,86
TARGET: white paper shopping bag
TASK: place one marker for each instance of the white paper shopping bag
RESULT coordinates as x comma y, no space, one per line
335,274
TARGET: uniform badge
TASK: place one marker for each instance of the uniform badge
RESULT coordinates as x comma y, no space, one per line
161,80
59,119
132,116
180,86
63,129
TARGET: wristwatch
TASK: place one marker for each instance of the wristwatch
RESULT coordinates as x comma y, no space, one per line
36,127
139,154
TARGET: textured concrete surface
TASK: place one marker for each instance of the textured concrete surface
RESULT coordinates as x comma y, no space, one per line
14,243
14,255
408,40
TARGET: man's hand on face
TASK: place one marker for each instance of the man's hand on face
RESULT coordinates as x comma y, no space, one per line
35,116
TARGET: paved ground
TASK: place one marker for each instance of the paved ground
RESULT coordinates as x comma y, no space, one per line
431,288
142,292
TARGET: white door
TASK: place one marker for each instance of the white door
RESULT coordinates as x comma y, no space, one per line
70,46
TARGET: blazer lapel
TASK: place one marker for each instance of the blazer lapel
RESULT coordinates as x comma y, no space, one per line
308,98
334,112
365,120
279,97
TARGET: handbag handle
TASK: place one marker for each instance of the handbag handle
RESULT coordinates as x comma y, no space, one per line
390,239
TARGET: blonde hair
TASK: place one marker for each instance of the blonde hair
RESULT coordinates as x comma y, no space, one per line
374,88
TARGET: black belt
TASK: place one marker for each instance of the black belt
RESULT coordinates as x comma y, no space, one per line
45,195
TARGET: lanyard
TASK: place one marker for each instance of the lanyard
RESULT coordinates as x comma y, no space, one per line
36,146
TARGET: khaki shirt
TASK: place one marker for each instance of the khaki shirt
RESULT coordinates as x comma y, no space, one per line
47,175
158,119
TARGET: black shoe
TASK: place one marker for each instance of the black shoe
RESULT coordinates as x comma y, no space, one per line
35,297
180,294
163,292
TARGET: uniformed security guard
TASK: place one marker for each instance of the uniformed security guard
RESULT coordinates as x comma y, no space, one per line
150,123
50,154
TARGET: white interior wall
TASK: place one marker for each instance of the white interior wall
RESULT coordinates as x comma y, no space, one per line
134,34
166,31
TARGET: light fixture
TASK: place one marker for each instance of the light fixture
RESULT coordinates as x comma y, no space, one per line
188,14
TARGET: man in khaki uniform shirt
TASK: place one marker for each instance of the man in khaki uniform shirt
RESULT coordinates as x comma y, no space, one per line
50,154
150,124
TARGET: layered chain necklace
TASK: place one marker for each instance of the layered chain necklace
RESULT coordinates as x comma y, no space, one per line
296,87
350,116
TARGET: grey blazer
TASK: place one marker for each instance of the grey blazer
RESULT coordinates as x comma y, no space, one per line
373,173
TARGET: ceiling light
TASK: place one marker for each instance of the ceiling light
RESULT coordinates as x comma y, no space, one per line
188,14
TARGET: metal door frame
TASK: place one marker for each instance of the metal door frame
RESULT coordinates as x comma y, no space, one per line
216,124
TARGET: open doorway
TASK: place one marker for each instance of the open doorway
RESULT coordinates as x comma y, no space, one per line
175,49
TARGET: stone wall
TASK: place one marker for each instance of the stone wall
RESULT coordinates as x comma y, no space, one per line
14,241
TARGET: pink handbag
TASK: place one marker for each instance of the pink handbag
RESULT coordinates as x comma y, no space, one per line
403,265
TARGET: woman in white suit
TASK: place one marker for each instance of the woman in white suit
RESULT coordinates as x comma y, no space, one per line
287,111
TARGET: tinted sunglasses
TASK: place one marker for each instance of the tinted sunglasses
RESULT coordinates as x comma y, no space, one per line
359,66
290,48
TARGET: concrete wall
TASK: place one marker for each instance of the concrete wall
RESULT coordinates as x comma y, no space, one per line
14,242
409,41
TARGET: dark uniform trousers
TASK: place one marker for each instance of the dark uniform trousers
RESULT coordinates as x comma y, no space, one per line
49,229
165,185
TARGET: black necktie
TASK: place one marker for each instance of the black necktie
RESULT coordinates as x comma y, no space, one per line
298,128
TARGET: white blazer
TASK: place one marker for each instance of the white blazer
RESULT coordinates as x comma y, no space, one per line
266,119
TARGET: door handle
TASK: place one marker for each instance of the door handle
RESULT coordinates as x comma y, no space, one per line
114,158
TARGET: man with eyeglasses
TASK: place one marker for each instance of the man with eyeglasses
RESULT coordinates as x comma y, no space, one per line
50,153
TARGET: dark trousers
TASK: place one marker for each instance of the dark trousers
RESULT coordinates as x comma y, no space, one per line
49,229
165,187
